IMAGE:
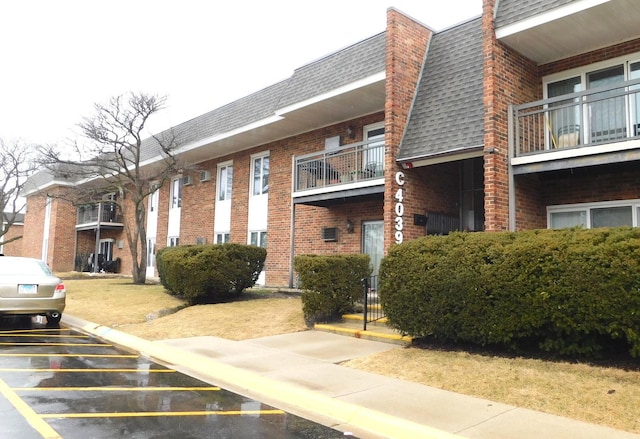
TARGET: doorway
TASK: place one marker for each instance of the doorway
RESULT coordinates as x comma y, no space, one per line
373,245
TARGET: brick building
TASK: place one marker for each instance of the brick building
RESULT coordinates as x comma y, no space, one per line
10,242
525,117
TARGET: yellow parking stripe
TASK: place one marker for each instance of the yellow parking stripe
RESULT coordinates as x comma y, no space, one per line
45,335
114,389
162,414
30,416
88,370
91,345
15,331
73,355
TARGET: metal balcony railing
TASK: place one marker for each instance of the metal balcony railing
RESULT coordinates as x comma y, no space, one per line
340,166
582,119
108,213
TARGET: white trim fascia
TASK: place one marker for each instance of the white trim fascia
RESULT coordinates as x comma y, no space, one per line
448,156
576,152
547,17
216,138
339,187
49,184
333,93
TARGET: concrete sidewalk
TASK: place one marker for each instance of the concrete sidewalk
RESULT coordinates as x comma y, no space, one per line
300,373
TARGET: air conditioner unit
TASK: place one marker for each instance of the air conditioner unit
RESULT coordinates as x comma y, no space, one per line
187,180
329,234
205,175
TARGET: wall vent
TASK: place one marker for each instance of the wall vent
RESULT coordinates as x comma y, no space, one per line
187,180
201,241
329,234
205,175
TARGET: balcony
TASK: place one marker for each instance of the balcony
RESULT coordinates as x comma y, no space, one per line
595,126
105,215
356,169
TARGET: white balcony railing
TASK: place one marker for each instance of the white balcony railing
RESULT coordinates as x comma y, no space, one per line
340,166
577,120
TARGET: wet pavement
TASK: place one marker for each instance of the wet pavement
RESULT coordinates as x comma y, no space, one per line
60,383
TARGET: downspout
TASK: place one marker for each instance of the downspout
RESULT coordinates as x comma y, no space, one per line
511,127
292,225
97,248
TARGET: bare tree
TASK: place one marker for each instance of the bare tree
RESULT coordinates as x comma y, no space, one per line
17,162
118,158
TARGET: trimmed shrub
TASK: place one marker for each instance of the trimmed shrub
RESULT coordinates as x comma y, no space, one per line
570,292
209,273
330,284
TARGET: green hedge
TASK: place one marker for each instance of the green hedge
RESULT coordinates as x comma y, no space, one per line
570,292
330,284
209,273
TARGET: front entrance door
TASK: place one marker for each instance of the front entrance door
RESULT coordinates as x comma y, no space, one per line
373,245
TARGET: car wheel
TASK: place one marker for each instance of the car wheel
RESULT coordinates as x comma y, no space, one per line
53,317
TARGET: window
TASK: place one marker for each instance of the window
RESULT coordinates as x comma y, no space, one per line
174,241
591,215
221,238
225,180
258,238
260,175
176,193
153,197
151,252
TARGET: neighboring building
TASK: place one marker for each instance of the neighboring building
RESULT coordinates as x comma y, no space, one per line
15,230
526,117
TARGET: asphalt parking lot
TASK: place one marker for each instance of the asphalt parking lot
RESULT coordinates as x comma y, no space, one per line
61,383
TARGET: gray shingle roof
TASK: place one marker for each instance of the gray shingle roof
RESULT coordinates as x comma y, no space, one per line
335,70
252,108
448,109
342,67
512,11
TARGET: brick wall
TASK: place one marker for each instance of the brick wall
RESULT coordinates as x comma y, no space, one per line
33,227
407,41
586,185
198,203
595,56
13,248
509,78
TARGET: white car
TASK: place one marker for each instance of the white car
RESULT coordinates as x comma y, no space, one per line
29,287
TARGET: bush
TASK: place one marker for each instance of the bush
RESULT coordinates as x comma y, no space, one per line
569,292
330,284
209,273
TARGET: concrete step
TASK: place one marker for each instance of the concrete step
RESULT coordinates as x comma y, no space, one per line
353,327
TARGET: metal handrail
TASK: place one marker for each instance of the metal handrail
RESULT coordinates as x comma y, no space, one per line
347,164
585,118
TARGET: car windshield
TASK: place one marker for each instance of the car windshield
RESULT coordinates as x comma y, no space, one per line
31,267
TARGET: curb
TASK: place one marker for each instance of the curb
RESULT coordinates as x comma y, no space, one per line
367,335
295,399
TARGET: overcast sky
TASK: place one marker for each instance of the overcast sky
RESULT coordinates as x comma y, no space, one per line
60,57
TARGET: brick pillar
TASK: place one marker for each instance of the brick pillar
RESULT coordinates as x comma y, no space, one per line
407,42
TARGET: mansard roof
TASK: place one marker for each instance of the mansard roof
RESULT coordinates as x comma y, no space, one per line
447,113
512,11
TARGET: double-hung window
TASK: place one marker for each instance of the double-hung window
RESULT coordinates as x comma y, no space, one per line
260,172
225,182
176,193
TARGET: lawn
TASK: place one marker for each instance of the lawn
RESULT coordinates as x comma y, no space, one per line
603,395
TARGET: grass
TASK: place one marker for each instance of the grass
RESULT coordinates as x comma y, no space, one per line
603,395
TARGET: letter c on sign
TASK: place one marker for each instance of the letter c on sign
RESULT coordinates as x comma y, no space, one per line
400,178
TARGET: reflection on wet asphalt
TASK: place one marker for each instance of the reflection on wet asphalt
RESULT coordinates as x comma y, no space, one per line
77,386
